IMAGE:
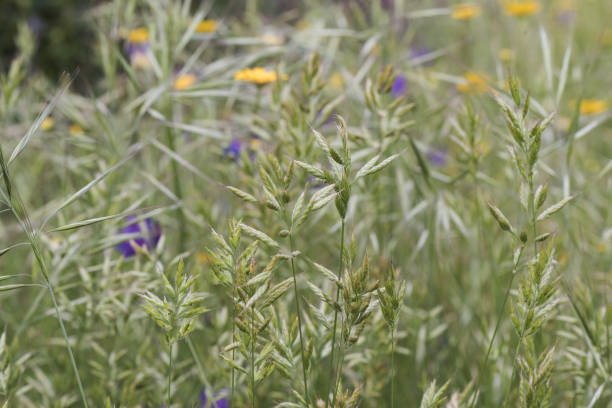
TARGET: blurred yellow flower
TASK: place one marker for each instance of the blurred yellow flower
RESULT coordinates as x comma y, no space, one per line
473,83
506,54
522,8
593,106
270,39
138,36
76,129
255,143
336,80
606,37
257,75
184,81
465,11
206,26
47,124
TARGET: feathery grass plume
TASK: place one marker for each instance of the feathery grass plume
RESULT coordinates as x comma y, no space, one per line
434,395
536,294
342,179
177,314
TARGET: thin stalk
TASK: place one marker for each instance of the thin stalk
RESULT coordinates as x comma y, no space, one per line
333,342
170,374
252,358
392,367
201,371
497,325
338,374
233,351
170,140
233,327
299,314
72,360
516,350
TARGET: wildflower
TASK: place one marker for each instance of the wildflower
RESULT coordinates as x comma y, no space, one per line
399,87
593,106
234,149
522,8
258,75
137,48
219,400
474,83
336,80
206,26
437,157
465,11
606,37
184,81
138,36
76,130
149,233
47,124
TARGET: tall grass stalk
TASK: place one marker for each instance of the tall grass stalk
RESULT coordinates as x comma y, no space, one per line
299,315
334,329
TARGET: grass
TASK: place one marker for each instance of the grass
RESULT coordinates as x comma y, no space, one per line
330,235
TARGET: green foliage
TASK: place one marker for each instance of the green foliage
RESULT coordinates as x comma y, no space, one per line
405,195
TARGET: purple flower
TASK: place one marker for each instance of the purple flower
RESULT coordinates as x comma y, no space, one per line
234,149
400,86
437,157
143,239
218,400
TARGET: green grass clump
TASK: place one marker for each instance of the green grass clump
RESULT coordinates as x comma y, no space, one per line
311,204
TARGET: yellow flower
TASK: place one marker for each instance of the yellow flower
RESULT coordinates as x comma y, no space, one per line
138,36
336,80
76,129
506,54
593,106
465,11
184,82
47,124
257,75
270,39
522,8
474,83
255,143
606,37
206,26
